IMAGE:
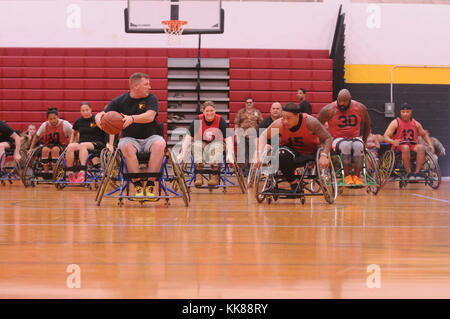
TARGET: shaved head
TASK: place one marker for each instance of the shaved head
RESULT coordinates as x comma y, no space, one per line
344,99
344,94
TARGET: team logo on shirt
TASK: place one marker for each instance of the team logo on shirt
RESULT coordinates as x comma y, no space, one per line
92,124
141,106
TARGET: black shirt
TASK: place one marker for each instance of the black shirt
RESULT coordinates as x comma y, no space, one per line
305,107
89,131
125,104
264,124
222,126
5,132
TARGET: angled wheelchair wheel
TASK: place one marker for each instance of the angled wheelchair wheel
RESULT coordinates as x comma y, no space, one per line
111,172
387,162
263,182
179,178
327,180
180,172
32,165
58,174
104,157
251,176
239,176
372,173
432,171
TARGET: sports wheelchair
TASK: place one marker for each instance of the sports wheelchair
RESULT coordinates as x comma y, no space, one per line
313,181
9,173
369,170
391,164
116,180
93,173
224,171
33,170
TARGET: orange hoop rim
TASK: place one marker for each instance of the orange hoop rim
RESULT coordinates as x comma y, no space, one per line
174,25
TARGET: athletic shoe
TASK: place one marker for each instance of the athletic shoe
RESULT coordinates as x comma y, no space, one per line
214,180
419,176
149,193
80,178
139,191
349,180
357,181
71,178
198,180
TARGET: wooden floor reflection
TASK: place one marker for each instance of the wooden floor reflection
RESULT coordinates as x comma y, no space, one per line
225,245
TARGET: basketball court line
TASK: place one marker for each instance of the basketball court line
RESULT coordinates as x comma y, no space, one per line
423,196
222,226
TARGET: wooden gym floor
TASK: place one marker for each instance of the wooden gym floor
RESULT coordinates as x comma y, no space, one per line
225,245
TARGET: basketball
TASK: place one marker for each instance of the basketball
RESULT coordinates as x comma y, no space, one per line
112,122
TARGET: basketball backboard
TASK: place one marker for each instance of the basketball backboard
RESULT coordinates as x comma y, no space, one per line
146,16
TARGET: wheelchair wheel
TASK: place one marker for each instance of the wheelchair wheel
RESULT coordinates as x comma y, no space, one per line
251,176
104,157
240,177
262,183
179,178
433,172
372,174
32,164
327,179
58,174
387,162
180,172
110,172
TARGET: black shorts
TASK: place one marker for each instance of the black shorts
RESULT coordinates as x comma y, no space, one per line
98,145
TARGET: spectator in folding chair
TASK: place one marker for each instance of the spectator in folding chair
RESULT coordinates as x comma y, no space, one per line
140,130
208,132
86,136
55,134
8,140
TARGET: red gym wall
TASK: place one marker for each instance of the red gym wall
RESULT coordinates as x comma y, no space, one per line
32,79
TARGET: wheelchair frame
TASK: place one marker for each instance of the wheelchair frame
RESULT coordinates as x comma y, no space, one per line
224,171
93,175
9,174
369,169
121,180
392,165
267,185
34,164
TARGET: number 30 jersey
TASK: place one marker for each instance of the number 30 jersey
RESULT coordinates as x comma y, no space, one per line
299,137
345,124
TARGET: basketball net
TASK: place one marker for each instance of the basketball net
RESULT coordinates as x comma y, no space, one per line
174,29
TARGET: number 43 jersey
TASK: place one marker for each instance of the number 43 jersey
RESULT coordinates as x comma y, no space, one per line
406,131
299,137
345,124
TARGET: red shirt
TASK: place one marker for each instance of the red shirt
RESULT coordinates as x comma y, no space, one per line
406,131
302,140
209,132
54,135
345,124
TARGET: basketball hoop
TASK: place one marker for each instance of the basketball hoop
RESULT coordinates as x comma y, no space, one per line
174,29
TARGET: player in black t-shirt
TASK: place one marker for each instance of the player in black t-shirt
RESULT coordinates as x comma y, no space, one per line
85,136
8,139
140,133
